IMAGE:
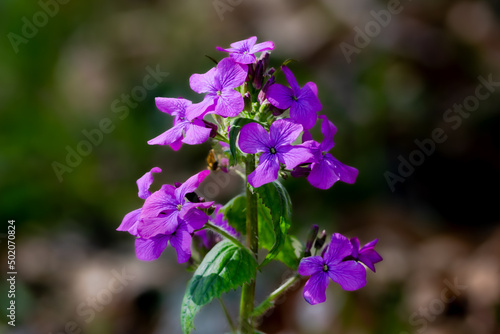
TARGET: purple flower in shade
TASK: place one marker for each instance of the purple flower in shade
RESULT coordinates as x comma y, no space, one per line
276,148
303,102
219,84
367,254
350,275
129,222
327,170
168,217
243,52
186,131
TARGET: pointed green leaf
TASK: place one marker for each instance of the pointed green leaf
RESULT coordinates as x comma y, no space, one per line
275,197
291,252
235,213
224,268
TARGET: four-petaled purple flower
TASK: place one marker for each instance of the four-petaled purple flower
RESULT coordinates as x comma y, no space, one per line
303,102
276,148
219,84
243,52
327,170
367,254
350,275
186,131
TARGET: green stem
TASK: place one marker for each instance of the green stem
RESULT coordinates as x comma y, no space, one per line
269,302
228,316
248,290
226,235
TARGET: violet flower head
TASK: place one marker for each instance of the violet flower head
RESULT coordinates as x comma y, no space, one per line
243,52
327,170
276,148
303,102
219,84
366,254
168,217
190,132
350,275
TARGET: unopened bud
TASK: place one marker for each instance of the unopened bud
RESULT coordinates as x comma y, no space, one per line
320,241
313,233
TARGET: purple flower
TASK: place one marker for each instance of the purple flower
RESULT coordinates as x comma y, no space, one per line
367,254
327,170
243,52
186,131
276,147
165,208
350,275
303,102
165,217
219,84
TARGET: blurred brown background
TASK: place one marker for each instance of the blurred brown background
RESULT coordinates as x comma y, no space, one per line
390,75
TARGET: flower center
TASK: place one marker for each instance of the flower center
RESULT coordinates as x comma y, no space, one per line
325,268
179,207
294,98
272,150
219,93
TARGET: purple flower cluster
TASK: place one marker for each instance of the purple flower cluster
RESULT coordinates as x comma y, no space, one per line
340,262
242,89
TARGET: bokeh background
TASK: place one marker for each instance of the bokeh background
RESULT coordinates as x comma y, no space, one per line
85,62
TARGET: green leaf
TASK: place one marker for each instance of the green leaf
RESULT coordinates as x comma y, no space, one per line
235,213
235,128
224,268
275,197
291,253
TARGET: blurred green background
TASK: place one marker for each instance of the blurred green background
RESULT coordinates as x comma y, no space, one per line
68,68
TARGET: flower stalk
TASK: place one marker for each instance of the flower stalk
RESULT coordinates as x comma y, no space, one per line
248,290
269,301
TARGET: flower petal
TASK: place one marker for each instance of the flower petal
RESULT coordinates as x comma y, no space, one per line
290,78
266,172
253,138
322,175
345,173
129,221
181,241
293,156
264,46
244,45
160,201
230,74
172,106
195,219
204,83
145,181
200,109
355,247
284,132
311,265
190,185
167,223
339,248
315,288
171,136
229,104
328,130
350,275
196,132
279,96
240,58
151,249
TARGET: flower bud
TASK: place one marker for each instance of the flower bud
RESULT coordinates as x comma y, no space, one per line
320,241
212,127
313,233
